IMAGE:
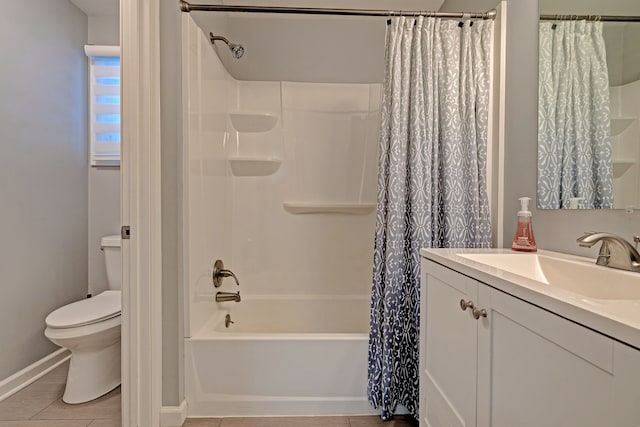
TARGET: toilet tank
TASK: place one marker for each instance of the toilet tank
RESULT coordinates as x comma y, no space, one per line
110,246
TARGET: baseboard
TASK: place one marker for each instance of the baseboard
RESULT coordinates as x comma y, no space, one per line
23,378
173,416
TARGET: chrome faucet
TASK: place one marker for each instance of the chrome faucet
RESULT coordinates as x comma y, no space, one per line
615,251
228,296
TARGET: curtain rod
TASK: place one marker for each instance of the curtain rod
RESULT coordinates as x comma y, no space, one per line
188,7
607,18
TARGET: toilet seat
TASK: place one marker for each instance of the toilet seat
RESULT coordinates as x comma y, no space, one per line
100,308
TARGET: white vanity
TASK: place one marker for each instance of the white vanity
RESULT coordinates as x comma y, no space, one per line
520,339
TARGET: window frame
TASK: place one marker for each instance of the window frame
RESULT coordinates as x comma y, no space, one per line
102,153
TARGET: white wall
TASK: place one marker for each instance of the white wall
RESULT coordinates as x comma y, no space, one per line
104,182
43,172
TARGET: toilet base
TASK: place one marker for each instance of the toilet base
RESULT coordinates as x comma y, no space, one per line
92,374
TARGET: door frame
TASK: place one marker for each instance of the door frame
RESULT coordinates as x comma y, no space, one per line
140,209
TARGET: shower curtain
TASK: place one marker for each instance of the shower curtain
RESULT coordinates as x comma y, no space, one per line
431,182
574,141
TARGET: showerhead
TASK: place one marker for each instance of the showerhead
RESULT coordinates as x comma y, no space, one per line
237,50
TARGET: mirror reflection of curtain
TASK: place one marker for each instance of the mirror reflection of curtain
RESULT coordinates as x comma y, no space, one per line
574,137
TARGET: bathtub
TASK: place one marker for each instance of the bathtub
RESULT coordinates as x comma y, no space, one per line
281,356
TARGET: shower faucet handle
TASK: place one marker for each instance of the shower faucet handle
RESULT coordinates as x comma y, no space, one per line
219,273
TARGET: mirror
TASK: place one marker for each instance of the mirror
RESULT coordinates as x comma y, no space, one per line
588,106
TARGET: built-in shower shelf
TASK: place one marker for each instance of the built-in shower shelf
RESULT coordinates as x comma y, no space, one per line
620,166
619,124
254,166
253,122
337,208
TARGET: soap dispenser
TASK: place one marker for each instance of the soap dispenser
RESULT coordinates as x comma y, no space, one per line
524,239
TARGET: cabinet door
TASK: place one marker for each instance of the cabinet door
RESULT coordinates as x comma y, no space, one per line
626,391
538,369
448,349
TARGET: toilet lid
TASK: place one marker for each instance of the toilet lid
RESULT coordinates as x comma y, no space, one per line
87,311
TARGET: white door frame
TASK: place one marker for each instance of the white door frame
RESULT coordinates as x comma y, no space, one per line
140,209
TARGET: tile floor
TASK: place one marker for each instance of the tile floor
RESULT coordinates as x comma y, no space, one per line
40,405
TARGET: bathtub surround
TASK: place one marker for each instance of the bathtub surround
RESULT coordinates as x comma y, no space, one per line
626,151
323,143
257,154
432,183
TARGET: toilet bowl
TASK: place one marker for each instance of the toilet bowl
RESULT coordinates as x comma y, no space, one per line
90,329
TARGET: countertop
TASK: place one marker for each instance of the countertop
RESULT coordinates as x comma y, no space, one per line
618,319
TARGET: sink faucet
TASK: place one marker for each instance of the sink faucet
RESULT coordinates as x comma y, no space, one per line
615,251
228,296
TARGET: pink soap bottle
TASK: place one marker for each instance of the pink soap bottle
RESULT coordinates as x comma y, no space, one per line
524,239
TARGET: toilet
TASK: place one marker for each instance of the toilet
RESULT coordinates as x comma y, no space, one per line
90,329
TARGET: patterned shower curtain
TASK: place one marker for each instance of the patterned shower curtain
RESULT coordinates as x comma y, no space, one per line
574,137
431,182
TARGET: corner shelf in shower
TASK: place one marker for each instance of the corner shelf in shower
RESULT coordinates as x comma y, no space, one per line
619,124
620,166
254,166
339,208
253,122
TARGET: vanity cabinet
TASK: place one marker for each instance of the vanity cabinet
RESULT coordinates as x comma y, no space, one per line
490,359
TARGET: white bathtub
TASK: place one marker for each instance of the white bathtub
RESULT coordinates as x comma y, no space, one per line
282,356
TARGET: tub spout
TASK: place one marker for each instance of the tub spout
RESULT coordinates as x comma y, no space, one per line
228,296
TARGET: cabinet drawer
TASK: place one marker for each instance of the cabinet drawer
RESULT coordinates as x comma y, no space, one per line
589,345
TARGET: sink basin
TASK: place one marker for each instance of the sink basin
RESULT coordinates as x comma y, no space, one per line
579,277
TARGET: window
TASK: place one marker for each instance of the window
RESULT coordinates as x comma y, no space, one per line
104,105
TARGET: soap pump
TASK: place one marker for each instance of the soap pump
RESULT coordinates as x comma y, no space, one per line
524,239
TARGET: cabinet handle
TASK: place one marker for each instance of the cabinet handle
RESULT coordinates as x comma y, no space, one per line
466,304
479,313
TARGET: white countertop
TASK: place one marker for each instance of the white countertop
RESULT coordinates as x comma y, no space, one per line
619,319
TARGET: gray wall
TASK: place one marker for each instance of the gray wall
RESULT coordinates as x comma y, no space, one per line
43,172
104,29
554,229
171,114
468,5
104,182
